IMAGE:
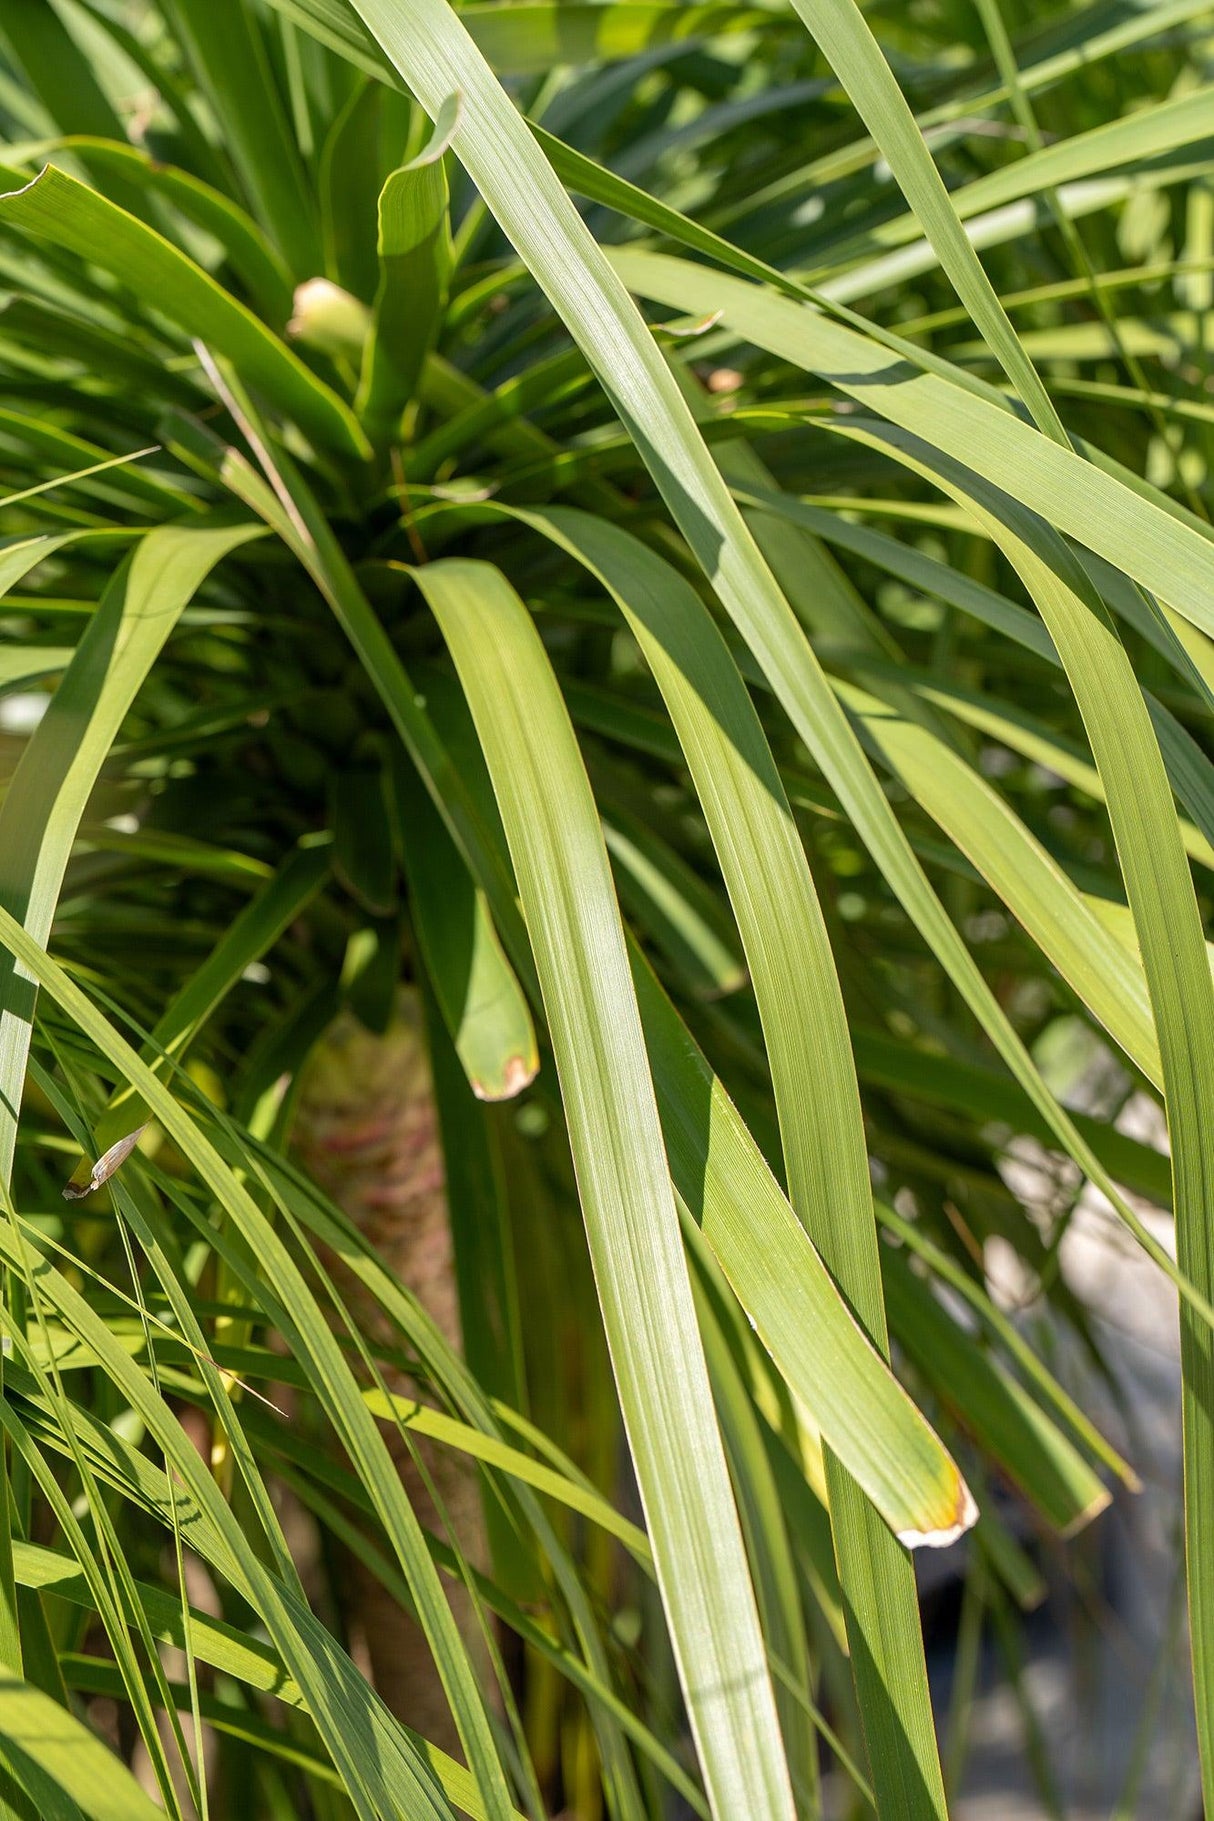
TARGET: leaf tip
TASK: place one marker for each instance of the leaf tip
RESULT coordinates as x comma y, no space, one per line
965,1514
519,1072
1092,1509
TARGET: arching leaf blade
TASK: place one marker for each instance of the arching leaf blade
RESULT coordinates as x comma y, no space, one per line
623,1179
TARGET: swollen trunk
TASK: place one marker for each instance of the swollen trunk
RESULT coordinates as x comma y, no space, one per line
367,1131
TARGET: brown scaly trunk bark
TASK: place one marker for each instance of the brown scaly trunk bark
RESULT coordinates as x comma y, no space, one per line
367,1131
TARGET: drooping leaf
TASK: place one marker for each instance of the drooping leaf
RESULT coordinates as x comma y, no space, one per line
50,788
71,215
624,1185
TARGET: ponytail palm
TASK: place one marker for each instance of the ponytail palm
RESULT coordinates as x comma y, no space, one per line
569,755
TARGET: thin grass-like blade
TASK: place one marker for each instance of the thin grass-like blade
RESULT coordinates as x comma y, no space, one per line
1145,134
668,900
255,930
350,1721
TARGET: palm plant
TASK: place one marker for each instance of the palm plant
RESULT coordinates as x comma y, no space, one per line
549,754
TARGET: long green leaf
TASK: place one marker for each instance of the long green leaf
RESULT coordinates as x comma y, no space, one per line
47,795
1168,556
1026,877
505,1459
670,904
58,208
773,896
1144,134
61,1763
255,259
552,828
